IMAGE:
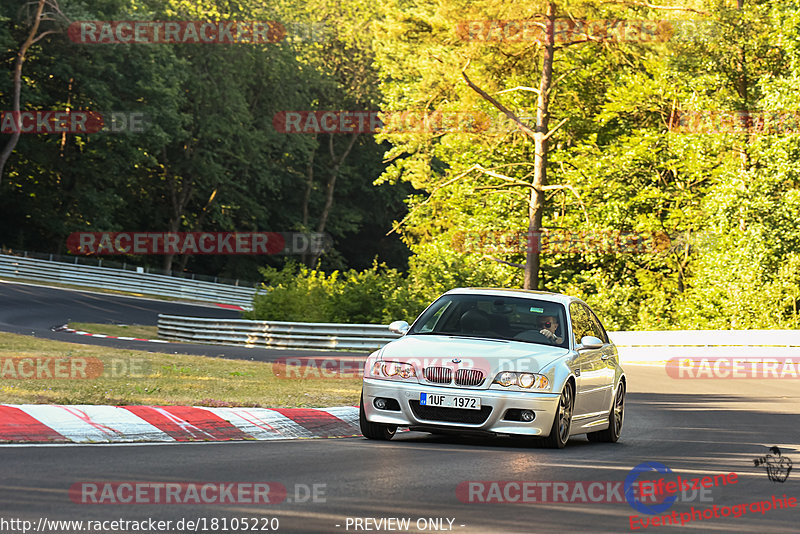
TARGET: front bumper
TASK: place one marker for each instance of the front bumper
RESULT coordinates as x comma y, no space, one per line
543,405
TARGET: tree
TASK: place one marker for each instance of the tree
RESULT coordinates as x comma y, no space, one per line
504,64
53,14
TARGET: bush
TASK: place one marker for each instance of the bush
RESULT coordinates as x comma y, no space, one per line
377,295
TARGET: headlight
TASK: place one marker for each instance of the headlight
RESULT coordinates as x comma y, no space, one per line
392,370
526,380
506,379
523,380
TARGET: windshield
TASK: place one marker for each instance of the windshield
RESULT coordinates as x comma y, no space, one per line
492,317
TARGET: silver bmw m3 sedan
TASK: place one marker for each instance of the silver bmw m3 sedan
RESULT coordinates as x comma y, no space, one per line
497,362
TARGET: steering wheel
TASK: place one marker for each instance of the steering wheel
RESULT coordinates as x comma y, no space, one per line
533,335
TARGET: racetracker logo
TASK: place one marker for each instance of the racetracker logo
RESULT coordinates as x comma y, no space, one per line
722,367
177,493
751,122
71,122
302,368
438,370
173,32
34,368
159,243
564,491
569,30
372,122
561,241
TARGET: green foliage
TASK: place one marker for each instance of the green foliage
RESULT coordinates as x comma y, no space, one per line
212,161
731,220
377,295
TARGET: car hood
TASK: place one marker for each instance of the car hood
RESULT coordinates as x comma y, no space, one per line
491,356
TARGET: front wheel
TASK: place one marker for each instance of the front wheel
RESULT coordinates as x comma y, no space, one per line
559,433
374,430
615,418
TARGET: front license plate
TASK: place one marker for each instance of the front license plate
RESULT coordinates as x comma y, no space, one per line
450,401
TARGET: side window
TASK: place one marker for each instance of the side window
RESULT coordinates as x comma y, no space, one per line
581,325
597,326
431,323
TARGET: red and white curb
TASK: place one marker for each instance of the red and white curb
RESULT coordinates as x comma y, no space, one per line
38,423
64,328
229,306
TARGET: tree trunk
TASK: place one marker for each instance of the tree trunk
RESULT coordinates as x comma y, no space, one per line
336,163
179,195
536,207
197,227
742,89
12,143
306,258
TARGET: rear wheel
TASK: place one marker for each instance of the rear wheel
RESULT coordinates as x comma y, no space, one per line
374,430
615,418
559,433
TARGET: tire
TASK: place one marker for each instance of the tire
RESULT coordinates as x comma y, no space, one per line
374,430
559,433
615,419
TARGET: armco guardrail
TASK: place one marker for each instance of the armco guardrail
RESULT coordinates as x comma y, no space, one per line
275,334
123,280
646,346
661,345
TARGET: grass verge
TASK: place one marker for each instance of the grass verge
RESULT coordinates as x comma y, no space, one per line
118,330
132,377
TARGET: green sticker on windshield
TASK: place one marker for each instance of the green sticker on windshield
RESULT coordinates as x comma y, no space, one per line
537,310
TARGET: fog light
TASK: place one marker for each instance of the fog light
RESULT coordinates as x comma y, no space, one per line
380,404
527,416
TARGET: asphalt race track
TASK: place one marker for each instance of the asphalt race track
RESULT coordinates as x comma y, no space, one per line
416,475
696,428
34,310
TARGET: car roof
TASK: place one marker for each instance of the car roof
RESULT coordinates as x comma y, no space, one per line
504,292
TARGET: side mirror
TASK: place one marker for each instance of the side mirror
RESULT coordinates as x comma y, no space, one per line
591,342
399,327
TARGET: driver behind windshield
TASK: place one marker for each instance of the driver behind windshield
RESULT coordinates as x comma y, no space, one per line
549,325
